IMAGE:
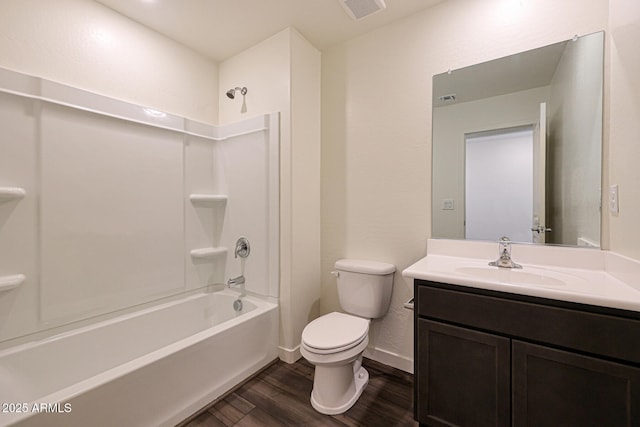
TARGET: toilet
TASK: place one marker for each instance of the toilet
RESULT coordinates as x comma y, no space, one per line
334,343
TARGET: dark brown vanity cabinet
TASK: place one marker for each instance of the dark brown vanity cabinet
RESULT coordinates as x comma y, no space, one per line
485,358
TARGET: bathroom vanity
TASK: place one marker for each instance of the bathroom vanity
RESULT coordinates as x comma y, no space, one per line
500,348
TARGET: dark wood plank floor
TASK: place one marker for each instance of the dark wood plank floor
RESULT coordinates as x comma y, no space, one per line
279,396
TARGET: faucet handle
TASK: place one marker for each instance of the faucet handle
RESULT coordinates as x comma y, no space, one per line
242,248
504,245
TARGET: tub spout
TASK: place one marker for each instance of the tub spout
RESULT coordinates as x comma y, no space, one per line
235,282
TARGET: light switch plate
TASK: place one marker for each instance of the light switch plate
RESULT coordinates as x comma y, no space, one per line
613,199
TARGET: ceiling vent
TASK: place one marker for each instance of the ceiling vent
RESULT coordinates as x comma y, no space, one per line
358,9
447,98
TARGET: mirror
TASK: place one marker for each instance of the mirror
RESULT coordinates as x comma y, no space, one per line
517,147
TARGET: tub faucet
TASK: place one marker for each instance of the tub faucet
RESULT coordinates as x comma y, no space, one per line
504,250
235,282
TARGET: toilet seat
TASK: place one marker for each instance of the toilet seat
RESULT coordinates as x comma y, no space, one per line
334,332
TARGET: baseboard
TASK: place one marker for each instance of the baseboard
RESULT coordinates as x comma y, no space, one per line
289,355
390,359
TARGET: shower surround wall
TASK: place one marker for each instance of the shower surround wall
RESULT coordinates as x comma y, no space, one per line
124,205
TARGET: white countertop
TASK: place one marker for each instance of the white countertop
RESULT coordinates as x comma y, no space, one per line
586,276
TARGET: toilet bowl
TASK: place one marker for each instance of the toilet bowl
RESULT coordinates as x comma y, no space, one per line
335,342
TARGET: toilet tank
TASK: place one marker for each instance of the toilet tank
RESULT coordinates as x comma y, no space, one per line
364,287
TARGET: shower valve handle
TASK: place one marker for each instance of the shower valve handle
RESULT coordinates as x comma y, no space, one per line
242,248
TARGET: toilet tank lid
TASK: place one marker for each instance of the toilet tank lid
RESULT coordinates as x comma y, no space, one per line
363,266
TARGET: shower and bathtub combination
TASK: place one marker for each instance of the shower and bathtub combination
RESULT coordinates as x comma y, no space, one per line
118,234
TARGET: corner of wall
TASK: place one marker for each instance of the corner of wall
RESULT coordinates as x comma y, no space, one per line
623,128
304,183
289,355
282,73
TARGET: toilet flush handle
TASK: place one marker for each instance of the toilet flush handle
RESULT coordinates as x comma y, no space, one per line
335,273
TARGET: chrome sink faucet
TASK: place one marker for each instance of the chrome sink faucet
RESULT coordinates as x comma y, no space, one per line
504,250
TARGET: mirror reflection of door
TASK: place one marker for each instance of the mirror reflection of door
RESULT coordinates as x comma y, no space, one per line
539,222
499,184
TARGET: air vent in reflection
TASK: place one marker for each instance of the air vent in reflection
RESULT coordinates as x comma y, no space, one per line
448,98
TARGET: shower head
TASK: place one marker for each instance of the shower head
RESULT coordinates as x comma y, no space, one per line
231,93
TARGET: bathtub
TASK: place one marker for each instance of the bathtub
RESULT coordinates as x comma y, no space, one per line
154,367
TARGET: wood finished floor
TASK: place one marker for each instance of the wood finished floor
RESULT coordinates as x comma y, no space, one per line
279,396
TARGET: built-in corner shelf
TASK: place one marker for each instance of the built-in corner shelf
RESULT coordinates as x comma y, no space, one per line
208,253
11,282
208,200
11,193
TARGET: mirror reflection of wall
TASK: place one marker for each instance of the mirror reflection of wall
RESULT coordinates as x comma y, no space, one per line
556,91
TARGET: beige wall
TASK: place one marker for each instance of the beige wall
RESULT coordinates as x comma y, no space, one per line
282,74
624,131
304,241
376,124
84,44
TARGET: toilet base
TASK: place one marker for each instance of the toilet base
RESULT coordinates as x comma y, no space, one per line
335,390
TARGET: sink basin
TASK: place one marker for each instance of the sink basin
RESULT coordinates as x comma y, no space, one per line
550,272
529,276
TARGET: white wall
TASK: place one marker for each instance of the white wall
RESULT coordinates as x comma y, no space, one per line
265,71
376,122
86,45
624,131
282,74
303,244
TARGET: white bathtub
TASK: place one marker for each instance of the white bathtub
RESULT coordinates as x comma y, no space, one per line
154,367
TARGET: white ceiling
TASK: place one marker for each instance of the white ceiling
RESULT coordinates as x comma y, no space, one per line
219,29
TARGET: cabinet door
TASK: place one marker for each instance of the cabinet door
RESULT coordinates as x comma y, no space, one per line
463,376
558,388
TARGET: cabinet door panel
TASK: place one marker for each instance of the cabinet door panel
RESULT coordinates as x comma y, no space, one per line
463,376
557,388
